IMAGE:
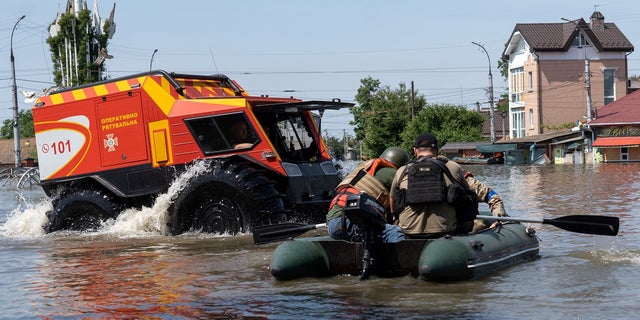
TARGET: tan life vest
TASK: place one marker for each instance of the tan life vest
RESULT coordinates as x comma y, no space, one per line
363,180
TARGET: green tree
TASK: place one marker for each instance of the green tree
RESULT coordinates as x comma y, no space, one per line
25,121
382,114
90,43
78,49
336,145
503,103
449,123
503,67
364,97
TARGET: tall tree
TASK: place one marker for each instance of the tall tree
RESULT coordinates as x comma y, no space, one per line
25,122
382,114
78,44
364,97
503,67
336,145
449,123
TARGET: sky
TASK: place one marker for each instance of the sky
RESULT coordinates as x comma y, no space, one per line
313,50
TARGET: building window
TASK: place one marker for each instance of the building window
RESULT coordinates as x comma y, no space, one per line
580,40
517,123
530,80
531,122
516,83
624,153
609,86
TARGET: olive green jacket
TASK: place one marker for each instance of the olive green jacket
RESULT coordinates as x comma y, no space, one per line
425,219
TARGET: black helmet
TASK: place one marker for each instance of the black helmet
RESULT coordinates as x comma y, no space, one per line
395,155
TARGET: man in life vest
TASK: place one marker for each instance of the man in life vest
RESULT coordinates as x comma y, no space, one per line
419,193
374,178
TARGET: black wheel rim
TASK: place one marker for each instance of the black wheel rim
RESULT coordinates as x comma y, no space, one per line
218,215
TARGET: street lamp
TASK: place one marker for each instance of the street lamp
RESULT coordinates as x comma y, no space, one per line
16,127
492,122
151,62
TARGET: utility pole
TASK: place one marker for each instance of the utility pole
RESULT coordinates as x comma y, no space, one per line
413,102
587,73
345,143
492,121
16,124
587,77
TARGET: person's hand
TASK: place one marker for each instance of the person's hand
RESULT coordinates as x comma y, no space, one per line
242,145
495,224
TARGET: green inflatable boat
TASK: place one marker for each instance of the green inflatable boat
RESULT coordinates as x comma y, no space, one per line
450,258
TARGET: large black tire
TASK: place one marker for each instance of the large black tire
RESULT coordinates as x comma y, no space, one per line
82,210
229,198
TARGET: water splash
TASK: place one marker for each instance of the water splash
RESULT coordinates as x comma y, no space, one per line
28,222
609,250
345,167
29,219
152,220
616,256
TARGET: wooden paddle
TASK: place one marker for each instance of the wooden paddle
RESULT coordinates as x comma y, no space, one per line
602,225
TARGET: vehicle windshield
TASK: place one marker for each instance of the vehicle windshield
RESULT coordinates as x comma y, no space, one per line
291,135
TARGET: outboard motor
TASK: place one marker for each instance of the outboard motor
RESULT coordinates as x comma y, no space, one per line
369,216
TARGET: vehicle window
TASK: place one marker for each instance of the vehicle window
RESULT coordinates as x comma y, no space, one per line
223,133
291,135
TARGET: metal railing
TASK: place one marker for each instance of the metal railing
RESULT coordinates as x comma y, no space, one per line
20,177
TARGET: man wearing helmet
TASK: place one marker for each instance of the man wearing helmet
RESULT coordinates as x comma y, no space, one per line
421,200
419,193
374,178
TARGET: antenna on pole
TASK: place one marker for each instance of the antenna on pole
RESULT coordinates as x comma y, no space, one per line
215,65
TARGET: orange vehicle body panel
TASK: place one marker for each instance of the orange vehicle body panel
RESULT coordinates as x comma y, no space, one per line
108,120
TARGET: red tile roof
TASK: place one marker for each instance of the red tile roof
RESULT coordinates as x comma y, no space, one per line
625,110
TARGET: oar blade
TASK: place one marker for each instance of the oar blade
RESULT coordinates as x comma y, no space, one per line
279,232
601,225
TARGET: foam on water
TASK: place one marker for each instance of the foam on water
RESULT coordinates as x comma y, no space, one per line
617,256
29,221
153,220
614,250
609,250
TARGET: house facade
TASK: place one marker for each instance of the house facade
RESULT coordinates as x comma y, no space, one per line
562,73
500,121
616,130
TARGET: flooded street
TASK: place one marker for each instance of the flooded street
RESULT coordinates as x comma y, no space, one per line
130,269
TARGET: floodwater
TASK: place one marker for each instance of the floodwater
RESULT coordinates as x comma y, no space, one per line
131,269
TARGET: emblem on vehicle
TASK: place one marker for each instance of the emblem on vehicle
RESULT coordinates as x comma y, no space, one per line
110,142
